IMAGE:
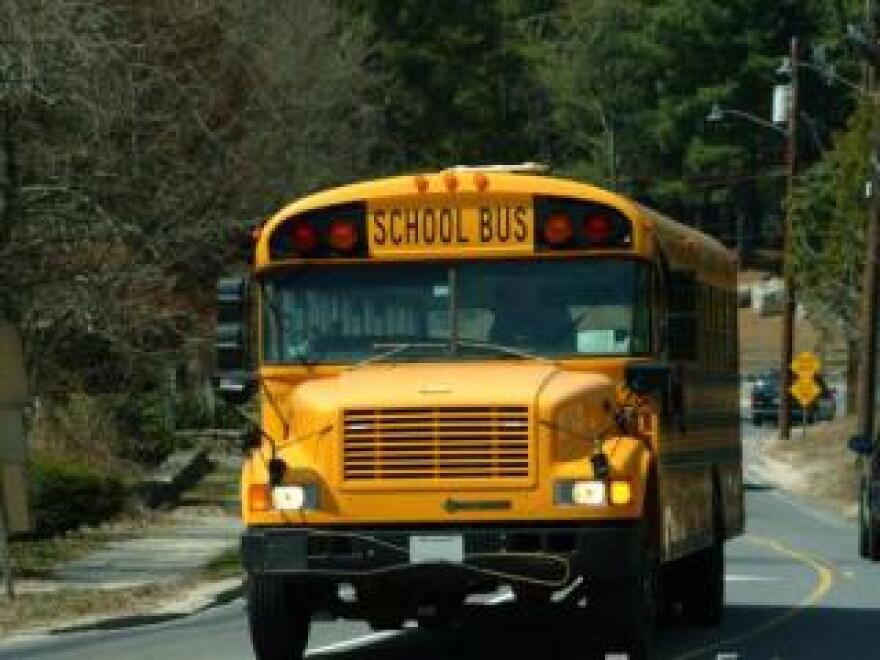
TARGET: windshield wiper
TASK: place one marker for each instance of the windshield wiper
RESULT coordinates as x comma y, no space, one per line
501,348
391,349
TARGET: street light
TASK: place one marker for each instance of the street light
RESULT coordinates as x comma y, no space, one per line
717,114
788,94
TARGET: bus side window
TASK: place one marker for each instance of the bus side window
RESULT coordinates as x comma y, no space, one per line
682,324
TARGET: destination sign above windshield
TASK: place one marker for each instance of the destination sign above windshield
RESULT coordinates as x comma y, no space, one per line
452,225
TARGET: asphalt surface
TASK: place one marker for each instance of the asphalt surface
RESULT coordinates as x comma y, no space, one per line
796,589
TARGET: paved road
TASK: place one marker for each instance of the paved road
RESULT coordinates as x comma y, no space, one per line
796,590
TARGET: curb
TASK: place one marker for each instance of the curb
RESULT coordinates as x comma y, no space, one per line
201,598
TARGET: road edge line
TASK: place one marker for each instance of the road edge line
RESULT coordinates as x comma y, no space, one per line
824,581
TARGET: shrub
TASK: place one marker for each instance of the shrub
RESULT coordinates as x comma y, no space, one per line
191,411
68,495
146,437
79,426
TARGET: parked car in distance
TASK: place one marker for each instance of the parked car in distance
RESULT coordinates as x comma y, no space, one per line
764,401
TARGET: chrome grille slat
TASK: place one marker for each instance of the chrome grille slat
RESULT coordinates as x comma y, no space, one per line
435,444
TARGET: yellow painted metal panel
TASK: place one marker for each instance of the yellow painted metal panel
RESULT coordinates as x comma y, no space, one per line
445,225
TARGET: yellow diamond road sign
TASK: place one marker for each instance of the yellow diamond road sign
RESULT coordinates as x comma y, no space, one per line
805,391
805,364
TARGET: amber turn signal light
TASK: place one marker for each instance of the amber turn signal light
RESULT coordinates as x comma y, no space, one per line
259,497
621,492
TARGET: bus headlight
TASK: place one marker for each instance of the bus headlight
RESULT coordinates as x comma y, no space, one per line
587,492
592,492
295,498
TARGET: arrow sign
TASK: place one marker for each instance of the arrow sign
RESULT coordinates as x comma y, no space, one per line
805,391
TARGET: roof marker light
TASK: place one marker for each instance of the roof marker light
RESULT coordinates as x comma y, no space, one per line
421,183
481,182
451,181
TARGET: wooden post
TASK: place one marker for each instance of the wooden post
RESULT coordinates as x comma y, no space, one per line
789,300
5,553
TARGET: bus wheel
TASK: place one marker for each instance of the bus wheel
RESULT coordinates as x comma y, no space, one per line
703,581
444,614
278,618
869,529
864,521
626,609
382,622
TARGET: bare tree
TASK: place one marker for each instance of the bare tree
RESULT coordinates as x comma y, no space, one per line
138,141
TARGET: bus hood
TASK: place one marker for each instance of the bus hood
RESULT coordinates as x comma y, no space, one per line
543,387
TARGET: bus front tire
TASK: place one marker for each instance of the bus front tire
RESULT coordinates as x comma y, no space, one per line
703,581
278,618
869,529
627,610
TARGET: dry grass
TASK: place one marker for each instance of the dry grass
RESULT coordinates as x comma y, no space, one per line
35,610
72,608
824,470
39,558
760,340
761,337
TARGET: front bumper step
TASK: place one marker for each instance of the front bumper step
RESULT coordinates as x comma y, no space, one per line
545,554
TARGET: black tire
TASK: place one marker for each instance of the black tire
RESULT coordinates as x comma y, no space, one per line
702,573
702,578
380,623
627,611
864,522
869,529
446,615
279,619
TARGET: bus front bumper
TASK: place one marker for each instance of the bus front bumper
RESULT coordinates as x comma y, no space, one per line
548,554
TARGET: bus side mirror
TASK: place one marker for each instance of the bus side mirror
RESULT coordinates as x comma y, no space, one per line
660,382
860,445
233,379
648,379
682,304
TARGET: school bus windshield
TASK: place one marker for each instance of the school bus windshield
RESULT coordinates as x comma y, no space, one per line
552,308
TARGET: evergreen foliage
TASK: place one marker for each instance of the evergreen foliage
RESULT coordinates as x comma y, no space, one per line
139,141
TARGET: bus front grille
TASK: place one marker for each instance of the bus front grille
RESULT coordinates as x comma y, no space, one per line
435,444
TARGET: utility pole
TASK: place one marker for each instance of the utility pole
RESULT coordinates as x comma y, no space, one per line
869,487
788,304
868,361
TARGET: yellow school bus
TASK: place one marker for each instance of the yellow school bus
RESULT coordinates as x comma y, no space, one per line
483,378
